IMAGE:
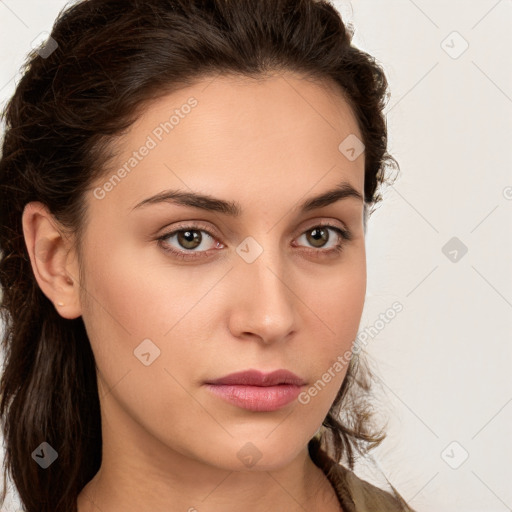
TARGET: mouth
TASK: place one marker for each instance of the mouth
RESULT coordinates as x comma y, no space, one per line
257,391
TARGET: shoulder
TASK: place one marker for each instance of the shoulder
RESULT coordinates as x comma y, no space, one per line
354,493
365,496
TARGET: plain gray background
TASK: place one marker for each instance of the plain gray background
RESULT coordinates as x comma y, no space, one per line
444,362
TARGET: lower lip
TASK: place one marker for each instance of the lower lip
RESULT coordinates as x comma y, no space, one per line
256,398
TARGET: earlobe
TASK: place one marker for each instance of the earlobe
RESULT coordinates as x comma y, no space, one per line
49,251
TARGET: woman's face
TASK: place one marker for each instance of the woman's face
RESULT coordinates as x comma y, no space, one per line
264,289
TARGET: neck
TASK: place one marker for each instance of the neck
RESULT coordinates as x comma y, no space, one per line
299,486
138,472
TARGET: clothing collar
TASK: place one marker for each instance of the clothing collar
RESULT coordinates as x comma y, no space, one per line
355,494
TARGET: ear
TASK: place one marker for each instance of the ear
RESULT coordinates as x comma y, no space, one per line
53,263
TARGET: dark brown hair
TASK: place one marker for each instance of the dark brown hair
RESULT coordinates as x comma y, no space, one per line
112,58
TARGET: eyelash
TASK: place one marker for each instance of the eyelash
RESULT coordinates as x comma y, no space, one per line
192,255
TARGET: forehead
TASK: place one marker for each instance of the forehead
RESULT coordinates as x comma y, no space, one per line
236,134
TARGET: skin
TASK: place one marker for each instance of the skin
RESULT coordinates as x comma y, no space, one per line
269,145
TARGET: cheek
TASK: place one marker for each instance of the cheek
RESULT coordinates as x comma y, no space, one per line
129,303
345,301
338,296
133,296
135,292
339,305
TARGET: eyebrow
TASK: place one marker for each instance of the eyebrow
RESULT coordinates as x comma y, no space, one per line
343,190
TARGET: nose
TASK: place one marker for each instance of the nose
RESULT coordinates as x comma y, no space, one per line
264,305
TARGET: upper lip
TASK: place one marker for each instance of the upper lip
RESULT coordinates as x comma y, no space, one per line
257,378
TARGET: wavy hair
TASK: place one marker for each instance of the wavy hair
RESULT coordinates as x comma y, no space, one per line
112,58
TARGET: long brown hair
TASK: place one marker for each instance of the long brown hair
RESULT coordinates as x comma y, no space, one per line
106,60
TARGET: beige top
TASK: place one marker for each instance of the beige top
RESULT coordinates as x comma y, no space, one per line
355,494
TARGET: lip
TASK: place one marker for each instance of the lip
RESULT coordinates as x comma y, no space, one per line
257,391
257,378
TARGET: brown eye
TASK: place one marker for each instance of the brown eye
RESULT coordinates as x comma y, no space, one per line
319,236
189,239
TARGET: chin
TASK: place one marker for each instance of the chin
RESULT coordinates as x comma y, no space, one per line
257,453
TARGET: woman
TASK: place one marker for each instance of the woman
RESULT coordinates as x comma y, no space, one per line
184,193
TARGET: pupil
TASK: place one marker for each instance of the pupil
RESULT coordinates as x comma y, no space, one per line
319,235
189,239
